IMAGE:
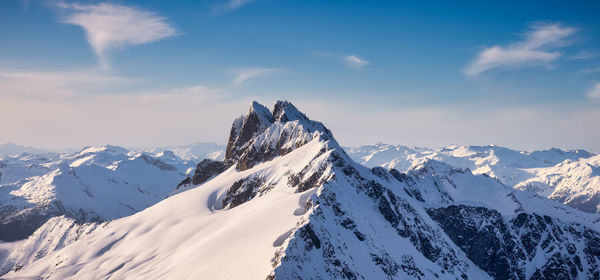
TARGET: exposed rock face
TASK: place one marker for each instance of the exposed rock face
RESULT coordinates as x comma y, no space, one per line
243,190
18,223
505,249
260,135
206,169
244,128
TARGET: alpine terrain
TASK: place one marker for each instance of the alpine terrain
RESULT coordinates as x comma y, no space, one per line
92,185
287,202
570,177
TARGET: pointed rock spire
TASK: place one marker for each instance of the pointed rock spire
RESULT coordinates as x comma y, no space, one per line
244,128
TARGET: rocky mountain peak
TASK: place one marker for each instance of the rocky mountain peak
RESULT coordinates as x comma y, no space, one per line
285,111
244,128
260,135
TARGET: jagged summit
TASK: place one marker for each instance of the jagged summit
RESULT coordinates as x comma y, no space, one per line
260,135
246,127
284,111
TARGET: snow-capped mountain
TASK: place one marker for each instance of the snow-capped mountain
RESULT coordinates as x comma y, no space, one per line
513,168
195,151
18,167
95,184
573,182
55,234
287,202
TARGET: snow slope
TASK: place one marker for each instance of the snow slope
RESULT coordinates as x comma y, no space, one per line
95,184
291,204
55,234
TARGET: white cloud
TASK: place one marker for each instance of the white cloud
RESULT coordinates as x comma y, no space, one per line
355,61
243,74
110,26
231,5
594,92
535,50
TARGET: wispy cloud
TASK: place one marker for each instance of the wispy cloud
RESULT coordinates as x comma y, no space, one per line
537,49
58,84
110,26
244,74
594,92
590,70
582,55
231,5
354,61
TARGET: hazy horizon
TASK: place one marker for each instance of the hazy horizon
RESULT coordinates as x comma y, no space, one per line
148,73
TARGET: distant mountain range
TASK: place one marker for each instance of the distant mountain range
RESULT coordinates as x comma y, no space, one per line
195,151
11,149
570,177
286,201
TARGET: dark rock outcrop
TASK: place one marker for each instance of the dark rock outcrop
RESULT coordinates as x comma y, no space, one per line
206,169
245,128
505,248
260,135
242,191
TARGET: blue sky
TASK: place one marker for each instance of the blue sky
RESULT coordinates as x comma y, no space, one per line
144,73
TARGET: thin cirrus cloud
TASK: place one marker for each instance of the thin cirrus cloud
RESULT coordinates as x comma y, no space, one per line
354,61
537,49
231,5
243,74
590,70
41,85
594,92
110,26
583,55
